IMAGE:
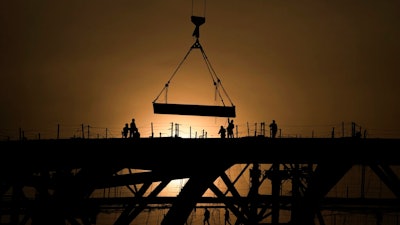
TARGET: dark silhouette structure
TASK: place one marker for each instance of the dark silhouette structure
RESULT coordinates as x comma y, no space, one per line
222,132
227,217
70,186
125,130
197,21
133,129
206,218
61,181
230,128
274,129
194,109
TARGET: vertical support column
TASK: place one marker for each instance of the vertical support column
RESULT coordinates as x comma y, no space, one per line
295,193
255,174
276,187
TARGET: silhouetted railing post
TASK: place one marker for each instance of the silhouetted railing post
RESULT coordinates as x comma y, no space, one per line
362,181
296,184
83,132
262,128
58,131
276,187
237,131
342,129
152,131
176,130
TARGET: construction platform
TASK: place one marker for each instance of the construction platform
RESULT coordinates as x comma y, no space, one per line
66,174
160,152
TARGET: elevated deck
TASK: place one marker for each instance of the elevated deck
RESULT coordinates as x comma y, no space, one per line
74,169
151,153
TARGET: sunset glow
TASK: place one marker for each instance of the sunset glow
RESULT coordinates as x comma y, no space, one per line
311,67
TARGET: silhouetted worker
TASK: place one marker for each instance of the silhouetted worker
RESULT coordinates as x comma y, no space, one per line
206,216
227,218
230,128
133,129
137,134
125,131
274,128
222,132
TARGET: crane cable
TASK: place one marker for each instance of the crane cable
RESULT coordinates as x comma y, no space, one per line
204,8
169,80
184,58
214,77
216,80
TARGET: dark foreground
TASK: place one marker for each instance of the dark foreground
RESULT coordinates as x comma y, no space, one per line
161,152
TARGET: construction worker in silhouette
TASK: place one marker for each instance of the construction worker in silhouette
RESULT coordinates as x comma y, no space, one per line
125,131
222,132
133,131
206,217
274,128
227,218
230,128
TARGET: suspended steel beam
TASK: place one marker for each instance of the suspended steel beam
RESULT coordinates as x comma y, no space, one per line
195,110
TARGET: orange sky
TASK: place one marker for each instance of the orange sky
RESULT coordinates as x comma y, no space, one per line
310,65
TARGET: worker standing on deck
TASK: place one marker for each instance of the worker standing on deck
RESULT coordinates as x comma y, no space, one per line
133,129
222,132
274,128
125,131
230,128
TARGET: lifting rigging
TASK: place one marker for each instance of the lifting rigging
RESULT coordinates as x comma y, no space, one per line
193,109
